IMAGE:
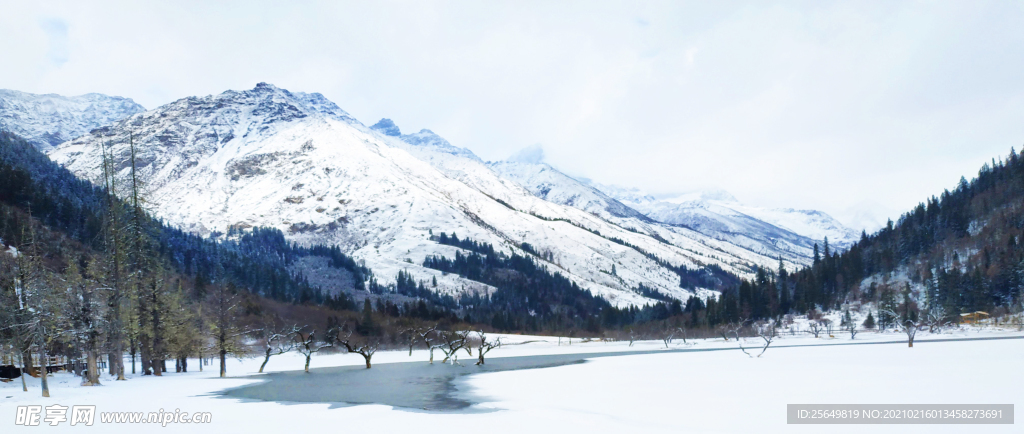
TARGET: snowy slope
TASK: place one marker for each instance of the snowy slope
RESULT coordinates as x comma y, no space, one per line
549,184
712,215
506,181
269,157
719,212
48,120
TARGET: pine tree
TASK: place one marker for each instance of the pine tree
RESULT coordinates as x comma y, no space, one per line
869,322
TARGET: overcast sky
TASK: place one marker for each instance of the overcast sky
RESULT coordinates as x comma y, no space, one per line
860,109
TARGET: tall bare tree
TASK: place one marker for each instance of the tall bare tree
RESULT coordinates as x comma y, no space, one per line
223,316
85,314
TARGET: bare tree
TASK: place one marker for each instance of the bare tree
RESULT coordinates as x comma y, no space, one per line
936,318
223,311
419,334
766,330
84,315
827,323
908,324
364,346
668,334
850,325
485,347
723,331
815,327
731,329
276,342
34,311
307,344
451,343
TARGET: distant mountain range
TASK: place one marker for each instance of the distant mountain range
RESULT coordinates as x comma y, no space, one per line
297,162
49,120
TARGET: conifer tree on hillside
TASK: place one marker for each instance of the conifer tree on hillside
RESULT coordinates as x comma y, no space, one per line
869,322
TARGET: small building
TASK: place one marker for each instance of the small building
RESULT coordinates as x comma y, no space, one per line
973,317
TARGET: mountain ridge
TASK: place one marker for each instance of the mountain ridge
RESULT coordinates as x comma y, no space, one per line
298,162
46,120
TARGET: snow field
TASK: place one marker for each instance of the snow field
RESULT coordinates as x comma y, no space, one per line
702,392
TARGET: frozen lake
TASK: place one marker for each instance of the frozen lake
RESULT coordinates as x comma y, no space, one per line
718,390
443,387
409,385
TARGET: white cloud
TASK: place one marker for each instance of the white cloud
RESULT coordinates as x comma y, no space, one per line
530,154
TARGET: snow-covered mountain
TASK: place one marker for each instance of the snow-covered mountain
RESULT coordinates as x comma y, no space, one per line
719,212
550,184
295,161
298,162
787,233
49,120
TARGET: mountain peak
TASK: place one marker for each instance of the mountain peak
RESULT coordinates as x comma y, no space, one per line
387,127
271,98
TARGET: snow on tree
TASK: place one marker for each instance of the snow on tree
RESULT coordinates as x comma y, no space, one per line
485,346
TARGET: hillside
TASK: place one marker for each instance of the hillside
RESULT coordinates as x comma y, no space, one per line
267,157
955,253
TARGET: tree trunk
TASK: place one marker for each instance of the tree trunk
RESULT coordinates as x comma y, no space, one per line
367,361
265,360
184,364
43,364
144,357
431,356
307,362
92,371
119,360
24,371
223,363
481,358
157,367
26,359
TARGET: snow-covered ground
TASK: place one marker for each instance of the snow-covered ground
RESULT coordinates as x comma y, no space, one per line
712,391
